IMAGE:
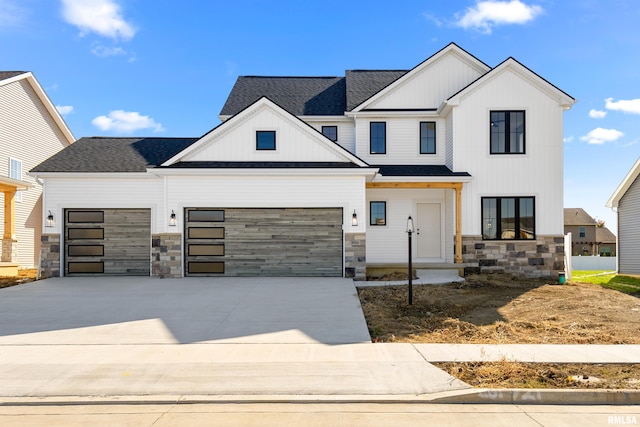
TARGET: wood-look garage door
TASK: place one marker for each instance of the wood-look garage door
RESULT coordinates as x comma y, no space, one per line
107,241
263,242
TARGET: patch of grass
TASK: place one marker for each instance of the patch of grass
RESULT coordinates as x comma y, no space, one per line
611,280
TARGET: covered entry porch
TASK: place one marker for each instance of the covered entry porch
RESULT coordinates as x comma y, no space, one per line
9,255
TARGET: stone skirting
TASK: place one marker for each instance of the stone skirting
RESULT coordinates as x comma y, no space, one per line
166,255
50,256
543,257
355,260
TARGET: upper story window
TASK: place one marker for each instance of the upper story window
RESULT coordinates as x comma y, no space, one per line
427,137
582,232
330,132
507,132
378,213
378,137
15,172
508,218
265,140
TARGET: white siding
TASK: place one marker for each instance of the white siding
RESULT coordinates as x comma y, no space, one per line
448,142
238,141
403,142
537,173
346,133
269,192
27,133
388,243
629,230
429,87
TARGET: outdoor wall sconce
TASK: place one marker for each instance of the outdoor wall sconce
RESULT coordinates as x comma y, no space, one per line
172,219
50,220
354,219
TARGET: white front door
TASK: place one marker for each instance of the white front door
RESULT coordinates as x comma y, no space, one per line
428,230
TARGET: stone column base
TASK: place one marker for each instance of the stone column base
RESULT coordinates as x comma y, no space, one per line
9,250
49,256
166,255
355,259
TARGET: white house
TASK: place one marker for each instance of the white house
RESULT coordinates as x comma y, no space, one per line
626,202
318,176
31,130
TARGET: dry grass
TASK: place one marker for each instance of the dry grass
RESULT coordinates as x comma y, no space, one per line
501,310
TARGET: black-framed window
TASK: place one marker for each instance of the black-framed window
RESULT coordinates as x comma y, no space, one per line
508,218
330,132
378,137
378,213
427,137
507,132
266,140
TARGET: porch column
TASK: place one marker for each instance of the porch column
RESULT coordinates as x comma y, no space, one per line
458,190
9,241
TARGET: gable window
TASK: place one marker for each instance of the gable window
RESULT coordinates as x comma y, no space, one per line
330,132
378,137
508,218
265,140
378,213
583,232
427,137
15,172
507,132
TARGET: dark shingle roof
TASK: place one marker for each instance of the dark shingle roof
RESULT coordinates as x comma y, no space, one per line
363,84
417,170
604,235
8,74
101,154
300,96
263,165
577,216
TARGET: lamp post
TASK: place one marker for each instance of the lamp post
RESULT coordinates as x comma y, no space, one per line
410,230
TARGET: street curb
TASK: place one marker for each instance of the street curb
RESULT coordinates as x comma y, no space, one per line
473,396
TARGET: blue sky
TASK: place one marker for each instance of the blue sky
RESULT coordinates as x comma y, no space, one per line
165,68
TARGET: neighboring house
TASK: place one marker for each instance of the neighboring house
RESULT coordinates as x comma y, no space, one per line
626,202
31,130
318,176
588,238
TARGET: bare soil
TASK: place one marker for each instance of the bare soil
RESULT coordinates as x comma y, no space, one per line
499,309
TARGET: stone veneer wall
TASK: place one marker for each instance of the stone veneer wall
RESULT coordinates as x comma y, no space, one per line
355,256
543,257
49,256
9,251
166,255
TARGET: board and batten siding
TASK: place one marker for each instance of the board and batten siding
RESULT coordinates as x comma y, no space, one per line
293,142
629,230
403,141
388,243
29,134
429,87
537,173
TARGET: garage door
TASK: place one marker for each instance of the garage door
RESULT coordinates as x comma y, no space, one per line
263,242
107,241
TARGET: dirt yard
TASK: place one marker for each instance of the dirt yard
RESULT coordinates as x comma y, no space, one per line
496,309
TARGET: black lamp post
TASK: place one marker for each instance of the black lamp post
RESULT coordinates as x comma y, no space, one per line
410,230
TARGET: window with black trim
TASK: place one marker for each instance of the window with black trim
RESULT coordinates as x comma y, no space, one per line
266,140
378,137
427,137
508,218
507,132
330,132
378,213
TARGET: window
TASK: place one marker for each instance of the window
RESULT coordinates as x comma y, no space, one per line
508,218
15,172
378,137
583,232
330,132
265,140
507,132
427,137
378,213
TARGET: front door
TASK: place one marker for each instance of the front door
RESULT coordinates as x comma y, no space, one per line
428,230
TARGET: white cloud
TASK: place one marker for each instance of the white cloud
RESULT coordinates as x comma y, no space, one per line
631,106
600,136
597,114
433,18
64,109
489,13
102,17
126,122
568,139
103,51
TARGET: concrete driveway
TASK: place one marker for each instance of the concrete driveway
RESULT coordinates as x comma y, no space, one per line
126,310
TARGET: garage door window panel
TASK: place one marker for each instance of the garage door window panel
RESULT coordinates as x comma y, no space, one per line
206,232
85,250
85,234
85,267
206,250
205,216
196,267
80,217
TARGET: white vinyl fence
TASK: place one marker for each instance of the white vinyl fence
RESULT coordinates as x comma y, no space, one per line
593,263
